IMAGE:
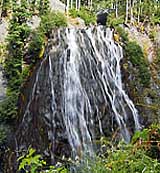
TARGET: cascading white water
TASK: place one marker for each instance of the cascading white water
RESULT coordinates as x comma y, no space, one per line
76,97
78,89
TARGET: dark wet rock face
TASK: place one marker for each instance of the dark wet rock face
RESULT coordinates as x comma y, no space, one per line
75,95
145,98
102,18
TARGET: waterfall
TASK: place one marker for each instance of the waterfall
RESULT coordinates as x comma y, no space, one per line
77,94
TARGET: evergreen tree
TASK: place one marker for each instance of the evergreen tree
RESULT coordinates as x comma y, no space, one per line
5,7
18,32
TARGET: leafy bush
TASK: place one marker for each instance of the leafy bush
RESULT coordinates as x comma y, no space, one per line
30,162
91,165
152,35
127,159
33,163
5,5
43,7
149,141
51,20
35,46
155,19
138,156
122,33
113,21
73,12
8,108
85,14
134,53
3,133
158,55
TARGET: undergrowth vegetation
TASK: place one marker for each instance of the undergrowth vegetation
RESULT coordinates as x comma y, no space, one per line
141,155
112,21
134,53
52,20
86,14
49,21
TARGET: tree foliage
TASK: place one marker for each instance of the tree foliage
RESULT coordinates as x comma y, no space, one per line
20,45
85,14
134,11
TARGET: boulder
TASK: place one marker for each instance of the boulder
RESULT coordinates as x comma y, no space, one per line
102,17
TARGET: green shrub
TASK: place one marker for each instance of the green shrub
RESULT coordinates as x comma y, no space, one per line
134,53
6,6
124,158
30,161
141,155
113,21
43,7
155,19
85,14
35,46
52,20
127,159
91,165
49,21
136,157
158,55
149,140
122,33
3,133
8,108
33,163
152,35
73,12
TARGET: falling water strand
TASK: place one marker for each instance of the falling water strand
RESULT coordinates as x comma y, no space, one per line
51,133
74,100
27,111
112,75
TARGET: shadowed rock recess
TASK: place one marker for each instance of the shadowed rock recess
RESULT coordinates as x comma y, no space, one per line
75,95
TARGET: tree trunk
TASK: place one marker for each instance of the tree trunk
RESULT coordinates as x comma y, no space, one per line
1,6
71,4
79,4
76,4
139,11
67,7
91,4
116,6
131,11
126,19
